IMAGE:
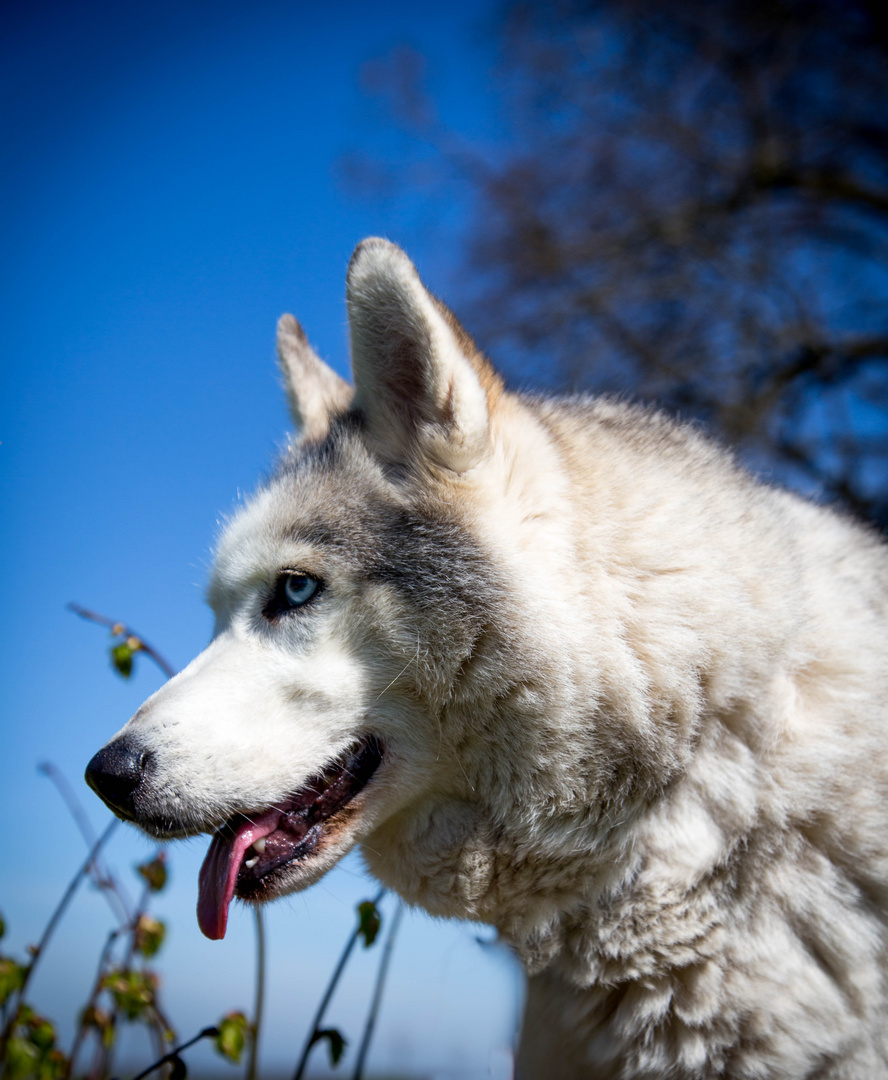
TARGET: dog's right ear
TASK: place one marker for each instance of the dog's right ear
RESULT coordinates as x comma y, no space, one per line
424,390
315,392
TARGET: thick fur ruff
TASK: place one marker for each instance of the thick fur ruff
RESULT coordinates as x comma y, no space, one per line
631,704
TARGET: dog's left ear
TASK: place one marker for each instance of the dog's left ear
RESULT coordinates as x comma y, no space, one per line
315,392
422,386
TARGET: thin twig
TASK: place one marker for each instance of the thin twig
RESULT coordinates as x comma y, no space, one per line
106,881
80,1034
123,630
328,994
207,1033
50,927
259,1005
107,1052
377,993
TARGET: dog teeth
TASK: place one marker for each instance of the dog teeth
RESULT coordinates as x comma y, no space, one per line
257,848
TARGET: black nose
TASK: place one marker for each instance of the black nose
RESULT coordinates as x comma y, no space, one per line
115,773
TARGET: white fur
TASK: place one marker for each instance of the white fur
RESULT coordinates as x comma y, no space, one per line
636,720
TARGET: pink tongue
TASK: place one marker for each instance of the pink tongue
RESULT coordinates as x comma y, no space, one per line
219,872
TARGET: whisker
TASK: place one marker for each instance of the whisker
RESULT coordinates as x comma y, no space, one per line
412,660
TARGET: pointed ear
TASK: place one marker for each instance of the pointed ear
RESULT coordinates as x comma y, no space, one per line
423,387
315,392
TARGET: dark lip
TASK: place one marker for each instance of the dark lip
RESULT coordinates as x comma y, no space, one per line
306,814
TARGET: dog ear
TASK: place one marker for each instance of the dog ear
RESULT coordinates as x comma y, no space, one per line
315,392
422,386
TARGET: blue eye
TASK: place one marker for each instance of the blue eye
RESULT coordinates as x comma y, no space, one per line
292,591
298,589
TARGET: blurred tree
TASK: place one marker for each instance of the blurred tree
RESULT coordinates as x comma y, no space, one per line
693,208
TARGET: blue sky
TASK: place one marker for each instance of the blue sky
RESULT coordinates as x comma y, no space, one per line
170,185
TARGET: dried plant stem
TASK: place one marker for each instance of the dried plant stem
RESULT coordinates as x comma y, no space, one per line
259,1005
377,992
106,881
206,1033
40,948
328,994
80,1034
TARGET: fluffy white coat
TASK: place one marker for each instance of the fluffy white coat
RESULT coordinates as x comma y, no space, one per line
633,703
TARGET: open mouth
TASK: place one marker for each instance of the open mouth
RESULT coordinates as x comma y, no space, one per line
248,852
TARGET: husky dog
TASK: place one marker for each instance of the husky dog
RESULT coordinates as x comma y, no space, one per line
559,666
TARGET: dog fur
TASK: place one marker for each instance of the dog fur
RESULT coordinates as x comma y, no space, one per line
631,702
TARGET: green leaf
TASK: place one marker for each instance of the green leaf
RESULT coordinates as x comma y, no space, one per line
178,1071
122,659
12,977
232,1035
21,1058
133,992
155,872
31,1051
337,1043
369,922
42,1034
101,1020
55,1066
149,934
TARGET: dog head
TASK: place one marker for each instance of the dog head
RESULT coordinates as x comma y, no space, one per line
350,596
